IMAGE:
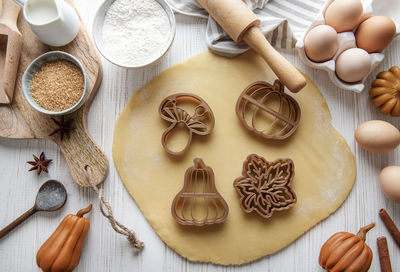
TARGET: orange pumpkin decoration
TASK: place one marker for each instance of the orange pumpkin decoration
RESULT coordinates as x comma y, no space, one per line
385,91
62,251
345,252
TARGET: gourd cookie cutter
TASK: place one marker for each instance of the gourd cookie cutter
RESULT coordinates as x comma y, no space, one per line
199,203
264,187
170,111
253,102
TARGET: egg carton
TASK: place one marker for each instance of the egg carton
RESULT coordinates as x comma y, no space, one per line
347,40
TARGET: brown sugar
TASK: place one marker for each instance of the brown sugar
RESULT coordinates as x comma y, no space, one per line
57,85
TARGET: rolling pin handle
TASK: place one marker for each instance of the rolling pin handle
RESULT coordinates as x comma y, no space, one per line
285,71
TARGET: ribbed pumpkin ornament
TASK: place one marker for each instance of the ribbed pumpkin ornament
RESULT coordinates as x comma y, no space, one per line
62,251
345,252
385,91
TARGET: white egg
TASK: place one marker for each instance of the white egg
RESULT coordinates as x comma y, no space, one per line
390,182
353,65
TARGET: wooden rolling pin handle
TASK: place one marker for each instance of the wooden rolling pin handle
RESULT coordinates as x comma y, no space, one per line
285,71
80,151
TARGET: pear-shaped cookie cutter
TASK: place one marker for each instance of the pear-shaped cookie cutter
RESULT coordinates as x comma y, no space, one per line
256,97
199,203
170,111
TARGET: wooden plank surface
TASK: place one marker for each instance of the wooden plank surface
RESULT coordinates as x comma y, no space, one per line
107,251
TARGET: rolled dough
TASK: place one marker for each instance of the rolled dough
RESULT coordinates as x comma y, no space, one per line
325,168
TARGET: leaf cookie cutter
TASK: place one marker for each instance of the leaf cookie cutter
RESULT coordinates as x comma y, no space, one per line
170,111
199,203
253,102
264,187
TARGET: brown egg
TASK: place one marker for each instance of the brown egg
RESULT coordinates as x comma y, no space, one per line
344,15
390,182
377,136
375,34
321,43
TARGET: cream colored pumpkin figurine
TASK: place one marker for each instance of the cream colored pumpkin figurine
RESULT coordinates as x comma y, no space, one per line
347,252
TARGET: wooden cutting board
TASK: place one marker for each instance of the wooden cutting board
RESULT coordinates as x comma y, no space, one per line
19,120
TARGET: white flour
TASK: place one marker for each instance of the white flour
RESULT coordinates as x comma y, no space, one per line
135,31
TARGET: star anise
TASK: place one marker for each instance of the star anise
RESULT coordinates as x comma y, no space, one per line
264,186
40,164
63,127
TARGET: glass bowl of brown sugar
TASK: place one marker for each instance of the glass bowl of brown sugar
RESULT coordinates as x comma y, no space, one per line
55,83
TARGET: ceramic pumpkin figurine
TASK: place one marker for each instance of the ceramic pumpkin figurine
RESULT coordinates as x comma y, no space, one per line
385,92
345,252
61,252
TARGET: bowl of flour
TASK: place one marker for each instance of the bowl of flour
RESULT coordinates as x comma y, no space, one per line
134,33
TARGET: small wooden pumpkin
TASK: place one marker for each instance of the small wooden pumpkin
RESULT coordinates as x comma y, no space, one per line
62,251
347,252
385,91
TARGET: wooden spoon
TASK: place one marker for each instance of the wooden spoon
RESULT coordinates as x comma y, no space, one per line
10,49
51,197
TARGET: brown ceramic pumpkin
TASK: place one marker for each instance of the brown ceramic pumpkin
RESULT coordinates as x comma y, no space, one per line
385,91
62,251
345,252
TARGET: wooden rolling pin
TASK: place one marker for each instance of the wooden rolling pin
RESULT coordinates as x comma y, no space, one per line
241,24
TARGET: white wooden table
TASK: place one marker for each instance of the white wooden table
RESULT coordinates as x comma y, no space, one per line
107,251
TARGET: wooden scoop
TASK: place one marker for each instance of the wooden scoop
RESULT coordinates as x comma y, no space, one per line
241,24
10,49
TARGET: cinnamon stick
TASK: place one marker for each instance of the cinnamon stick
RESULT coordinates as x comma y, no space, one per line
391,227
384,257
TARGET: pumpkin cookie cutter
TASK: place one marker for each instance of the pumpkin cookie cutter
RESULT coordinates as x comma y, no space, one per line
255,98
170,111
199,203
264,187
